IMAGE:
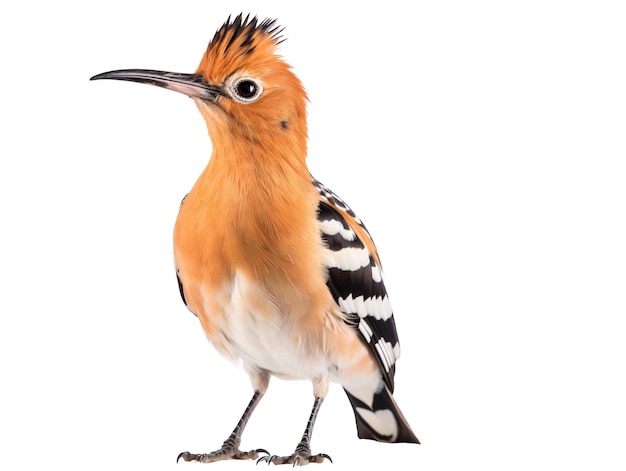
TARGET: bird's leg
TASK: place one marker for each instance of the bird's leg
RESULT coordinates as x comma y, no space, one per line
230,448
302,455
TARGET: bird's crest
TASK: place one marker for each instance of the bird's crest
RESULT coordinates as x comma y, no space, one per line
237,41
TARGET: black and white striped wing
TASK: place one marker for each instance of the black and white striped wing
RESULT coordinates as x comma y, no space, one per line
355,280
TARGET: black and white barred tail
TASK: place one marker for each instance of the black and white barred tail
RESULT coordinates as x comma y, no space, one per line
380,420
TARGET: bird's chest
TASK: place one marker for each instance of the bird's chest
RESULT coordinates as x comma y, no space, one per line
255,279
218,234
244,321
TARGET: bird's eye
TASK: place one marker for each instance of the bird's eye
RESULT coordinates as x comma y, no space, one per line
246,90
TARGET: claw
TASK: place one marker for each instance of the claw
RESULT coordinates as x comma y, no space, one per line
182,455
324,455
267,458
262,450
263,458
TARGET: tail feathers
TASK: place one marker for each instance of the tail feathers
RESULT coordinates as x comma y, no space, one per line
382,421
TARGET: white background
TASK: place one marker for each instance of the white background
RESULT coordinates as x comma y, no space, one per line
483,143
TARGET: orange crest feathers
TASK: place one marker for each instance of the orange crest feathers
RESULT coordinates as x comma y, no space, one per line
236,42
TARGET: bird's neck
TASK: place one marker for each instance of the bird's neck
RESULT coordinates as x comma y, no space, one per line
253,178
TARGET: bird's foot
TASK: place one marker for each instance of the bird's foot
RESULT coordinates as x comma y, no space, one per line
300,457
224,453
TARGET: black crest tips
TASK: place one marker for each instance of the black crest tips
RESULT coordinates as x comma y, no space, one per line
241,31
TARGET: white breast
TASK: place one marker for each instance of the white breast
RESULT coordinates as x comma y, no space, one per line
256,332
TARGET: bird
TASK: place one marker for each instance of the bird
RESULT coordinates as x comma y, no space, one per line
282,275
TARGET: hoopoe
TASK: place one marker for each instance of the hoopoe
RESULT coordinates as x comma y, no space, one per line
281,273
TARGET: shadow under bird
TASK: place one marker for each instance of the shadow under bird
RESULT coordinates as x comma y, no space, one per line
282,275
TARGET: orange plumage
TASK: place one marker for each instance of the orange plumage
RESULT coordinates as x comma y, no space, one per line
280,272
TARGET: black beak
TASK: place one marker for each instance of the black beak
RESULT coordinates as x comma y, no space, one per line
192,85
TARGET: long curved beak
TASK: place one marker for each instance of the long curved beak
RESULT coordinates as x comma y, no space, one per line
192,85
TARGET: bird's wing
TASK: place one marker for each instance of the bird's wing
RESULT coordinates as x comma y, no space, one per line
355,280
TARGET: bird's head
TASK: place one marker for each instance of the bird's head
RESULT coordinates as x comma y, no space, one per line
243,88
